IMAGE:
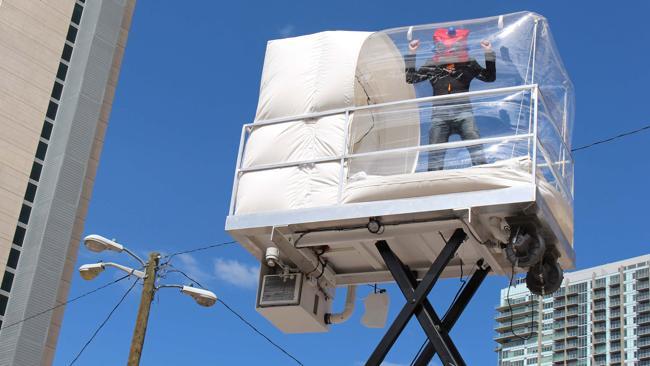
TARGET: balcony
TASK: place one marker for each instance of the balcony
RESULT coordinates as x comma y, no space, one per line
642,309
643,342
599,318
644,355
572,301
571,313
571,356
643,331
573,334
508,335
571,345
600,306
643,320
643,297
500,327
598,340
514,304
600,350
516,313
571,290
615,303
599,329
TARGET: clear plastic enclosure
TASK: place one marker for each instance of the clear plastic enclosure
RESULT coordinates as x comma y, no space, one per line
414,111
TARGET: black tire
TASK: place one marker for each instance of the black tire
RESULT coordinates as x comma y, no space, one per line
545,277
525,250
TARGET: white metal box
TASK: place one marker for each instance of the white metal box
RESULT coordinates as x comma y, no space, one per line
292,303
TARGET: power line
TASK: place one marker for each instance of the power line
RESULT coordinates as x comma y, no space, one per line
260,333
176,270
103,323
611,138
65,303
169,257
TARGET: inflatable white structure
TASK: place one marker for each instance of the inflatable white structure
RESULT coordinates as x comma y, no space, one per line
338,161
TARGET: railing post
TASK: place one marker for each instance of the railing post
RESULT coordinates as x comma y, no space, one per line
535,139
235,182
344,153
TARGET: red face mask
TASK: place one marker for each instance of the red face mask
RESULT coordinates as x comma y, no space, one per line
448,48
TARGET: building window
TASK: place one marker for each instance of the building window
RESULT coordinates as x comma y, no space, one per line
37,168
46,132
30,193
41,150
7,281
51,110
57,89
24,214
72,34
76,14
12,261
67,52
19,236
62,72
3,304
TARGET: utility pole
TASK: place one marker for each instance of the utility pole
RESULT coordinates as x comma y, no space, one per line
137,342
97,243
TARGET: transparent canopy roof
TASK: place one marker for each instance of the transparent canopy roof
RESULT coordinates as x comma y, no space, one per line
520,43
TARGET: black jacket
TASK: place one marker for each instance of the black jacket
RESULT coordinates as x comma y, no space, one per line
450,78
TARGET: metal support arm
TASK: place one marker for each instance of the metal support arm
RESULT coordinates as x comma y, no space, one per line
417,304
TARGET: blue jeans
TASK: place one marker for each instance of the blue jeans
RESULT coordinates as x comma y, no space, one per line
445,125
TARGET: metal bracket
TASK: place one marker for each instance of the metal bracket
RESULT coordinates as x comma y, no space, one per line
417,304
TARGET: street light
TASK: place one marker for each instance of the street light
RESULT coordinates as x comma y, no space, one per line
202,297
97,243
90,271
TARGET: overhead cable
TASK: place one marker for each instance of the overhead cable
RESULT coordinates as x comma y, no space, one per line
238,315
611,138
169,257
65,303
103,323
259,332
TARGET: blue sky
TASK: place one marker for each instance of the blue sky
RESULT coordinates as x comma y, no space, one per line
190,78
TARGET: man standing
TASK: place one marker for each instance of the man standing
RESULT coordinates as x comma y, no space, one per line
451,71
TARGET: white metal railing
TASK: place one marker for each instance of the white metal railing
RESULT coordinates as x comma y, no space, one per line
533,137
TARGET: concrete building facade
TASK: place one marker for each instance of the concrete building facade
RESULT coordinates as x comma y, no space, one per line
600,316
59,66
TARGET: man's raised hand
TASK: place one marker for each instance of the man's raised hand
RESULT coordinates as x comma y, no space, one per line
413,45
487,46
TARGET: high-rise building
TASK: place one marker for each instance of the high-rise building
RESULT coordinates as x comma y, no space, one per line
600,316
59,65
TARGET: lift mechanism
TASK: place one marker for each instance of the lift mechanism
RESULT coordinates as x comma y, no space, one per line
417,304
